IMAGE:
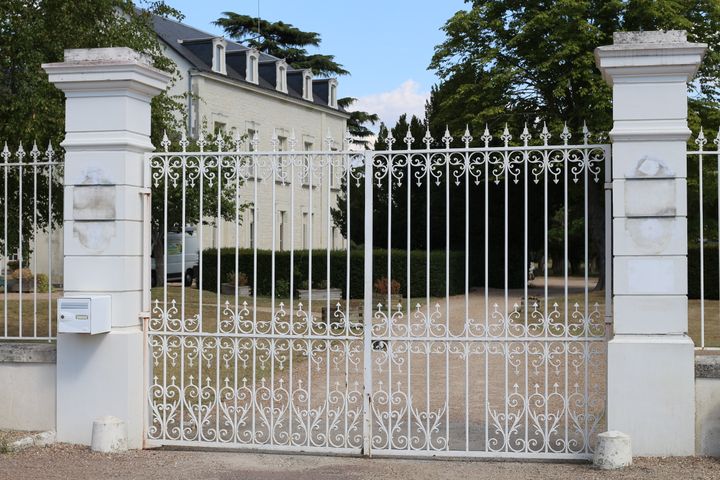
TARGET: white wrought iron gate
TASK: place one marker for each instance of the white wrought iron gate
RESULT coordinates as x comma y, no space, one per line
423,301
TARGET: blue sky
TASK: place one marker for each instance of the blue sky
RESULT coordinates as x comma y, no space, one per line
385,44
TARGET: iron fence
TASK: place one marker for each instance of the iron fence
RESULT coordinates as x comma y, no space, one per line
383,341
31,248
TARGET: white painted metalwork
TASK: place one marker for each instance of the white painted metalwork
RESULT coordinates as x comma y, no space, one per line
31,207
704,339
508,370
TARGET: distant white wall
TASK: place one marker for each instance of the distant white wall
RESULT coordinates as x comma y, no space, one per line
27,386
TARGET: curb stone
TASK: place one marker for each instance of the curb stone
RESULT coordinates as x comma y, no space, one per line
41,439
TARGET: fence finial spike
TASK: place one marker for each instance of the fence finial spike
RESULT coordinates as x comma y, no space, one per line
348,138
389,140
467,138
447,138
427,139
5,154
701,140
506,137
717,138
565,135
525,135
165,142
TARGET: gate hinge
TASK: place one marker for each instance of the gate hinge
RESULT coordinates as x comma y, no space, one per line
608,185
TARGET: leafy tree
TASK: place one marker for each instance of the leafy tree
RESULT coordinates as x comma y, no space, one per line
37,32
358,121
523,61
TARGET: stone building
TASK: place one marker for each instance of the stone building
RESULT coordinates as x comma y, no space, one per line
239,90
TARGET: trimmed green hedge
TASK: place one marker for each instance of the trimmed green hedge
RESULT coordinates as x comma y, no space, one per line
711,272
338,263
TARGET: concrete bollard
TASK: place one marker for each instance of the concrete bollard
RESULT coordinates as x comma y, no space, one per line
613,451
109,435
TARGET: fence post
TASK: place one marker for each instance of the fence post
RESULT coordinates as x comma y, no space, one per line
651,382
107,122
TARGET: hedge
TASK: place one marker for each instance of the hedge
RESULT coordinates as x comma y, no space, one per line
338,259
711,272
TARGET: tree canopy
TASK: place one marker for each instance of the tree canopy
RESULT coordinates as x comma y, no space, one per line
37,32
516,61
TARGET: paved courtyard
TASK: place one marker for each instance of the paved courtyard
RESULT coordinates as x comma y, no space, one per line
78,463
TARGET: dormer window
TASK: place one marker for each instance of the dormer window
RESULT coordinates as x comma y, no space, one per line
218,60
308,85
251,72
281,77
332,94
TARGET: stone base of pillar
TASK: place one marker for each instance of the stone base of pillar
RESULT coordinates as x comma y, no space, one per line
100,375
653,401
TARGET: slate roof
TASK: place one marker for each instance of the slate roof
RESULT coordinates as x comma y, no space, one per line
192,44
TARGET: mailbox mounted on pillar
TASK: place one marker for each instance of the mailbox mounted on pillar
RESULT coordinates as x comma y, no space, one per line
86,314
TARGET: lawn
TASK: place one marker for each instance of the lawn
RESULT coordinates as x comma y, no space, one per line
36,311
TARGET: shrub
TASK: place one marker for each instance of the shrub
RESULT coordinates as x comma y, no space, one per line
240,279
43,284
25,273
339,273
712,273
381,286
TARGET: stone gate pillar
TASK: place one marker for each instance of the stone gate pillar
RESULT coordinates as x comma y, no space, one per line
107,122
651,393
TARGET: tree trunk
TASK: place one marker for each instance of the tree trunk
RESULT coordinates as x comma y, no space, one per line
596,224
158,251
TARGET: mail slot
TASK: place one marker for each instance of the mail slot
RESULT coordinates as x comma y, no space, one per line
88,314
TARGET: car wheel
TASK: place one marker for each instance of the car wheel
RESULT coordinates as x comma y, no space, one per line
189,278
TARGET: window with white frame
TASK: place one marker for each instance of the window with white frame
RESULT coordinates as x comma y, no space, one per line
252,228
308,85
281,229
332,96
307,224
218,61
281,80
281,160
307,146
253,60
250,136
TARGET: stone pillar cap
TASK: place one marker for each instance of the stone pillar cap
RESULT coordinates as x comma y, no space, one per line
649,57
657,36
106,55
86,70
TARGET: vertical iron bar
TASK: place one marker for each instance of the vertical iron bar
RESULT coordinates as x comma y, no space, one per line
367,307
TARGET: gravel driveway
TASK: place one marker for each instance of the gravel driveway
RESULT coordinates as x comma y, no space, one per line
71,462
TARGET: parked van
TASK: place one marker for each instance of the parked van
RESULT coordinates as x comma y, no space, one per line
175,257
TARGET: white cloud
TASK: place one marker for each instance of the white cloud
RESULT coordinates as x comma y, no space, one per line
407,98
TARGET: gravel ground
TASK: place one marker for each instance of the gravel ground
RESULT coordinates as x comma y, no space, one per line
65,461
